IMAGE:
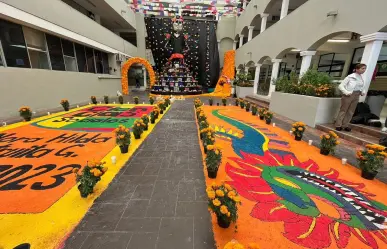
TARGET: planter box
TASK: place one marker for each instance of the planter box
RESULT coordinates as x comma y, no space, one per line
310,110
242,92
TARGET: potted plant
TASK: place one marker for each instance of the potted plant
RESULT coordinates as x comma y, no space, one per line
224,101
236,102
161,106
268,117
93,100
89,176
145,119
26,113
136,100
156,111
167,101
254,110
138,128
223,201
261,113
122,138
242,103
248,105
152,117
198,103
106,99
371,160
121,99
213,160
151,100
298,130
202,117
65,104
210,101
208,136
328,143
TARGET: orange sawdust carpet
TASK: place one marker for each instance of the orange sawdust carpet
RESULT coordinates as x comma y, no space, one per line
292,197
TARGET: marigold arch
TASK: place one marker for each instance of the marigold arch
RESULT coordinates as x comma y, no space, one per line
125,70
223,87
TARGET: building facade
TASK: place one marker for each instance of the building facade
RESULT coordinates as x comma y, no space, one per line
53,49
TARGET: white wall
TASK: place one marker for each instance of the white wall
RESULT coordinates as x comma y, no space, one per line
59,13
140,35
226,28
309,23
43,89
119,6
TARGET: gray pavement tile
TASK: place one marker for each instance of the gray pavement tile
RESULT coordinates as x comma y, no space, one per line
143,241
102,217
107,240
136,208
139,225
176,233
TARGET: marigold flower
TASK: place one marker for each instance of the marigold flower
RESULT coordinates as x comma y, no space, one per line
216,202
219,193
223,209
228,187
138,125
210,147
300,128
237,199
231,194
211,194
214,185
121,136
104,169
371,152
217,152
228,214
327,136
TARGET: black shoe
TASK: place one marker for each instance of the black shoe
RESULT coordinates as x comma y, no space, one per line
347,129
339,128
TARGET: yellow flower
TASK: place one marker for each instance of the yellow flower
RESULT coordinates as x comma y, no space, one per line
383,154
327,136
214,185
138,125
293,129
371,152
237,199
121,136
228,187
216,202
217,152
231,194
211,194
104,169
219,193
337,142
210,147
300,128
228,214
208,189
223,209
126,130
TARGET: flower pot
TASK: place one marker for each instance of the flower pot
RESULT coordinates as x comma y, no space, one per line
247,110
268,121
205,148
212,174
27,119
261,117
298,138
224,104
83,195
242,107
223,222
210,104
324,152
368,175
106,102
145,127
124,148
66,109
217,104
152,121
253,113
137,136
161,111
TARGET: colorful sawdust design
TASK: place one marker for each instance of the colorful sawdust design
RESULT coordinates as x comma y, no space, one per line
39,201
293,196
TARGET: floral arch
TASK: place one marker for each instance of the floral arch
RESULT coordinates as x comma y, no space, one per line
125,70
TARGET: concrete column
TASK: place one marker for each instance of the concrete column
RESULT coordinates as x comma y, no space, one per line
263,21
217,16
284,8
251,29
244,4
306,61
144,70
256,78
238,71
241,40
218,45
274,75
373,45
234,45
247,69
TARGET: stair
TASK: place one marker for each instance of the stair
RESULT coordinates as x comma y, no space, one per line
260,101
360,134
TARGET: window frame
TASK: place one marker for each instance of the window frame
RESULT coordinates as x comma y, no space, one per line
75,56
331,65
2,56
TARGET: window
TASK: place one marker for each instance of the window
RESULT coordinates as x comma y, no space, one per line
298,66
332,64
381,65
90,60
69,56
56,54
37,49
81,58
105,62
2,62
98,61
14,46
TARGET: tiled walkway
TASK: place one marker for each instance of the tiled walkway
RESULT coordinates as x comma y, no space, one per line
158,200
